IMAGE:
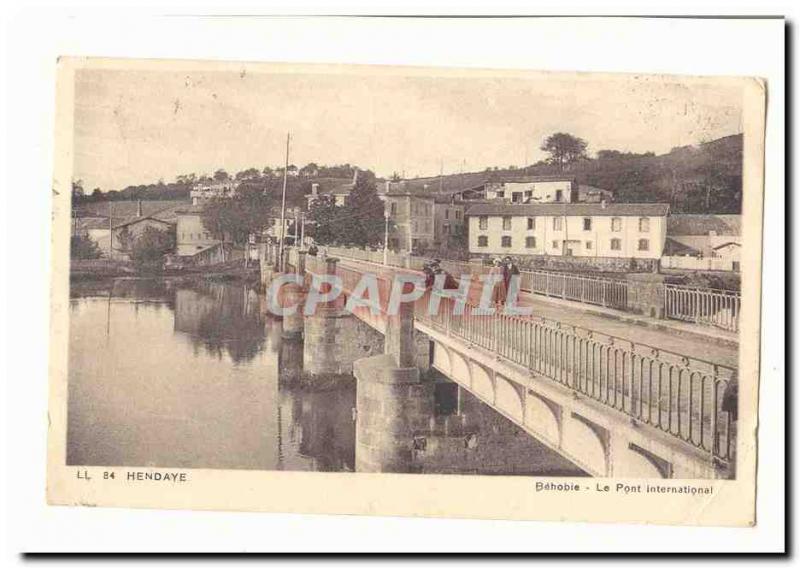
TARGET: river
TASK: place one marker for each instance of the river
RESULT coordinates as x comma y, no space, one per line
189,374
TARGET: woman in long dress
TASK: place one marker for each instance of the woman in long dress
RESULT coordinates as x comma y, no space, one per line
497,276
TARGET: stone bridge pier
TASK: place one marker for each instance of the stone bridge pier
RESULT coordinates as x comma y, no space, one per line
394,403
334,338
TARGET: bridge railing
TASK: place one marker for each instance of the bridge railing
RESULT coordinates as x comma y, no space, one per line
706,306
680,396
702,306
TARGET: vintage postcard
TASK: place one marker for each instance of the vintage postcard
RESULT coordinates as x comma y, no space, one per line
406,291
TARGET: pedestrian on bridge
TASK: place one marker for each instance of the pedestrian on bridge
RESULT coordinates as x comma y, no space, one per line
509,269
497,276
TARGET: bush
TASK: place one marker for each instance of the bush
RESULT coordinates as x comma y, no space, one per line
150,247
83,248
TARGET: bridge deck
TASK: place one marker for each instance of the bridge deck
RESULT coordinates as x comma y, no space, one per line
564,312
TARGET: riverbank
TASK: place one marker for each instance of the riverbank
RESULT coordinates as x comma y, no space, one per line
83,270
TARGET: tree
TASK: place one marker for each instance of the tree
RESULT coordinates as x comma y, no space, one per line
365,215
267,171
77,189
151,246
186,179
221,175
81,247
235,218
326,220
248,174
309,170
564,149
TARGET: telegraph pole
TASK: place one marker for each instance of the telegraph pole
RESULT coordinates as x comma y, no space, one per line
283,206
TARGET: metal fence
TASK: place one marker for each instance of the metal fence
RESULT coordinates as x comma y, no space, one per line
680,396
687,398
703,306
600,291
706,306
586,289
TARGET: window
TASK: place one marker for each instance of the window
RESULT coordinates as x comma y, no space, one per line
557,223
516,197
458,214
644,224
531,223
588,245
555,245
506,242
616,224
446,213
483,241
483,222
506,223
644,244
587,224
616,244
530,242
559,195
501,194
393,208
529,193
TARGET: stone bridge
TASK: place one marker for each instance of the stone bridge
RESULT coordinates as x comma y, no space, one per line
613,408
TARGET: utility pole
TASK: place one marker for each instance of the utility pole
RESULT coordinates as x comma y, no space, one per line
283,207
110,232
386,238
302,230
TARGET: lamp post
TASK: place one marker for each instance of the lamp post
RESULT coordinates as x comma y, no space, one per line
386,238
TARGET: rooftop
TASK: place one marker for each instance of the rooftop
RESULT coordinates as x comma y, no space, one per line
123,210
530,179
697,225
571,209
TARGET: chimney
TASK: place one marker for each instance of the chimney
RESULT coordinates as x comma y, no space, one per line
314,189
138,207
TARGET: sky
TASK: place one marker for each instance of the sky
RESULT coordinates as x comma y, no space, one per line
136,126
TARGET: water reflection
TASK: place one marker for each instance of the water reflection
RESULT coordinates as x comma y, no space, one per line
189,373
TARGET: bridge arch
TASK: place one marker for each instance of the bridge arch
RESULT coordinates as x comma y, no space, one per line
508,397
442,358
639,462
543,416
589,441
482,382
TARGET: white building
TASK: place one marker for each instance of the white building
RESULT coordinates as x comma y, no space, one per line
204,191
534,189
191,234
611,230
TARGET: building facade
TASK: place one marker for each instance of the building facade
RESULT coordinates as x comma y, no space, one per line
412,220
705,235
618,230
534,189
449,218
205,191
191,235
